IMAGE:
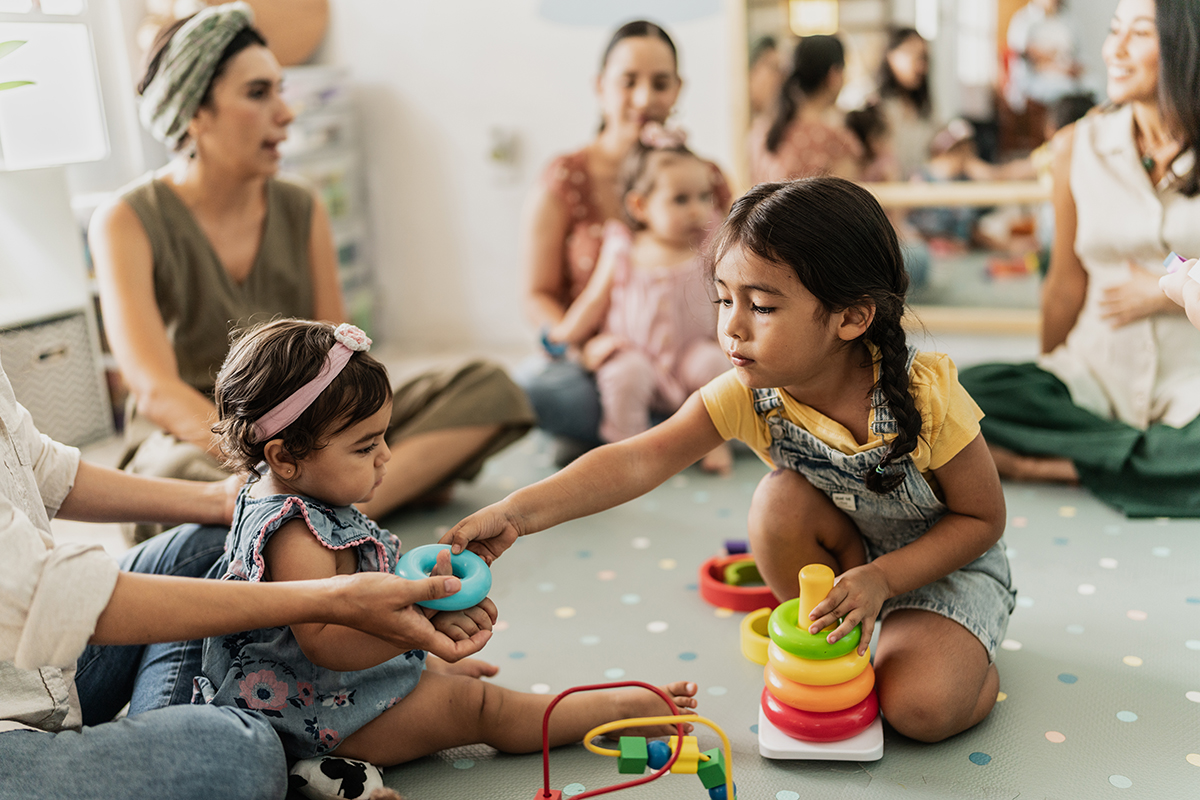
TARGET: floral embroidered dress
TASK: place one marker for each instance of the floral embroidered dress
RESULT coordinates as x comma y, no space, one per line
313,709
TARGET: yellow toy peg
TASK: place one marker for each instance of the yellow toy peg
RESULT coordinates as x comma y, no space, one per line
815,582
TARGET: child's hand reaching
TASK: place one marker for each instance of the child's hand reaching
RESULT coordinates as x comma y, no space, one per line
856,598
487,533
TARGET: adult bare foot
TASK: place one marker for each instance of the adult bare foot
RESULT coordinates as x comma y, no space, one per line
1046,469
641,703
471,667
719,461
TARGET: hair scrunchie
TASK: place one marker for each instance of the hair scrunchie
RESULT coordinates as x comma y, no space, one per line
186,70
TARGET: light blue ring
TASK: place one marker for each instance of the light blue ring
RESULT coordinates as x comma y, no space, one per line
472,570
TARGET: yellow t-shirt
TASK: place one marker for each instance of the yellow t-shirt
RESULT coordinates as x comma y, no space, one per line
949,417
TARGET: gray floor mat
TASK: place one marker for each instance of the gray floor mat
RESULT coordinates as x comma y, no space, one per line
1100,668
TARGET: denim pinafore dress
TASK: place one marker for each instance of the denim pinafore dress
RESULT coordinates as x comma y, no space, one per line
312,708
979,596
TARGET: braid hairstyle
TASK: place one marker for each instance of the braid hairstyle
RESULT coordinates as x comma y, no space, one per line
812,59
833,234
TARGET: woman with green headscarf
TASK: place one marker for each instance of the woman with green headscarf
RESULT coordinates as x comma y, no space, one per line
216,240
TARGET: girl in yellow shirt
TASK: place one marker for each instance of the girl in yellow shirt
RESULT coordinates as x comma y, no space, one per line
880,470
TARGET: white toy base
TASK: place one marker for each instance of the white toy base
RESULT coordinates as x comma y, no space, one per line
864,746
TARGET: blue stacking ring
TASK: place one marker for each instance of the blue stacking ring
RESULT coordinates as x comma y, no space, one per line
472,570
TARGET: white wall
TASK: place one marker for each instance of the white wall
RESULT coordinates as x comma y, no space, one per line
434,76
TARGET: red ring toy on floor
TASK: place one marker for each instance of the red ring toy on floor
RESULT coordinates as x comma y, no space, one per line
738,598
814,726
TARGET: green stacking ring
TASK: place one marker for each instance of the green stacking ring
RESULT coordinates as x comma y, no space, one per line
785,631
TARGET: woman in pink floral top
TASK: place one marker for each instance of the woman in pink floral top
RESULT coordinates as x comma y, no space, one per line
565,216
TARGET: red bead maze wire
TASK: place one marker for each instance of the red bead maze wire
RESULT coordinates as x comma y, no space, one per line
615,787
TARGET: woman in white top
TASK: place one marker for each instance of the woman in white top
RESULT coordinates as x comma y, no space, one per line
1113,402
55,599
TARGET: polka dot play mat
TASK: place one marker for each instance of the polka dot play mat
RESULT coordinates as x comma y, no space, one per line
1099,672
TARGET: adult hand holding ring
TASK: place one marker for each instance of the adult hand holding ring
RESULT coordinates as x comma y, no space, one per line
469,568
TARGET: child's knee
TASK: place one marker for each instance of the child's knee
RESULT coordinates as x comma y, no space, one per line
923,715
782,495
626,371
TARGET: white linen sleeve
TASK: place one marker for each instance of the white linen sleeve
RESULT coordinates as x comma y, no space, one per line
50,597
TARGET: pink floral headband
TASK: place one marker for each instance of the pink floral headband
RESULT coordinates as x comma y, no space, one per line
350,340
657,137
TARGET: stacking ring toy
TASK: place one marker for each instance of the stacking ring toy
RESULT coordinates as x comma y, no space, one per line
754,635
467,566
820,698
810,726
817,673
713,588
786,632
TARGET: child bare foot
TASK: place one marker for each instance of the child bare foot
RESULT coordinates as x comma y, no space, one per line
718,461
471,667
642,703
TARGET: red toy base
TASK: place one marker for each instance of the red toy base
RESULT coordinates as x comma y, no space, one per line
555,794
714,590
820,726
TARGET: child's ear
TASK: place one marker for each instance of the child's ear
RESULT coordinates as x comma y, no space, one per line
855,320
280,460
635,206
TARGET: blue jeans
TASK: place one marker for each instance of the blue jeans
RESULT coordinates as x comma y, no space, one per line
157,675
177,753
563,395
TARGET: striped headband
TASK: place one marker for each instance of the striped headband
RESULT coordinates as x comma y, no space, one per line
186,70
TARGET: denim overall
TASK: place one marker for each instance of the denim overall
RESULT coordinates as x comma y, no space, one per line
979,596
313,709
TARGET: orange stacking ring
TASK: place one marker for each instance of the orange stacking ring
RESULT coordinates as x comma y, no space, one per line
810,726
835,697
817,673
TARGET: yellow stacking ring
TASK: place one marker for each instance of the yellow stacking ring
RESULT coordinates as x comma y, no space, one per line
817,673
820,698
754,635
785,631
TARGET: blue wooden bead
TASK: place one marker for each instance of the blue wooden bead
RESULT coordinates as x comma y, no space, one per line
658,754
718,792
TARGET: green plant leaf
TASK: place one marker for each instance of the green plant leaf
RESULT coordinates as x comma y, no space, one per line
8,47
14,84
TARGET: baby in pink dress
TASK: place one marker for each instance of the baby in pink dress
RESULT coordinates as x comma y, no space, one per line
649,296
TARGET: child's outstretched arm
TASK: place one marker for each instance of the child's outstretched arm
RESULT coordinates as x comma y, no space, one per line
603,478
974,522
294,554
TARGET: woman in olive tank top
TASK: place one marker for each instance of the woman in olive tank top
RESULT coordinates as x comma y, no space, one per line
216,241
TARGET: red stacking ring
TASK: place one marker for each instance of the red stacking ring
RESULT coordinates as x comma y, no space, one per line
820,726
738,598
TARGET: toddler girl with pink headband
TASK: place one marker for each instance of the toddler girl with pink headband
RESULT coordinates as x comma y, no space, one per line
646,320
328,689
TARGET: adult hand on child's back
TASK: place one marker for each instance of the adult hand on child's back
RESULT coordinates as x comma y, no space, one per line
856,598
487,533
383,605
1137,298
